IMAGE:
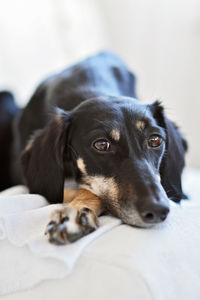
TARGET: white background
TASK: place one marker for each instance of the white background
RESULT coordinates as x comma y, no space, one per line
159,40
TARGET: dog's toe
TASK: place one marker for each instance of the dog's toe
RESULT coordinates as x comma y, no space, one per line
70,224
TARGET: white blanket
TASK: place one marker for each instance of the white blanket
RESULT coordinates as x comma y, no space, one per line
158,263
26,256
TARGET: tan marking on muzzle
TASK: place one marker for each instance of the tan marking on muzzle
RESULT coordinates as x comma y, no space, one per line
81,166
103,187
115,134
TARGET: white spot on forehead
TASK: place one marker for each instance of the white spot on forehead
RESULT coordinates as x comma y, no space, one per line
115,134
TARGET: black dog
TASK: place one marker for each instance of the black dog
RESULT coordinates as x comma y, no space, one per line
126,157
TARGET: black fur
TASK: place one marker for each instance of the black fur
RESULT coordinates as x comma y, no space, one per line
173,160
45,160
8,111
92,100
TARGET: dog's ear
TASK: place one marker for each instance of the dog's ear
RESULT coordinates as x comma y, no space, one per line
42,158
174,158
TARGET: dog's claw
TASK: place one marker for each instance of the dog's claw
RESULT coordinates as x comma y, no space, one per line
83,219
50,227
70,224
61,228
65,219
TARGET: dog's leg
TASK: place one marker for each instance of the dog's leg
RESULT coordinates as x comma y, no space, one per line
77,217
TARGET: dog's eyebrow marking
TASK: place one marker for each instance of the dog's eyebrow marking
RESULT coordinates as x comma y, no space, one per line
81,166
140,125
115,134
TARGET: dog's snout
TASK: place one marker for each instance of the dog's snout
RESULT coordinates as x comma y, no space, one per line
154,213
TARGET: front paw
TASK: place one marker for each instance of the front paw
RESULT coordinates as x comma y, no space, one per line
69,224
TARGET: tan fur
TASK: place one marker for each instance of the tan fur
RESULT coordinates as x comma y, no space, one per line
115,134
82,198
100,186
69,195
72,221
81,165
140,125
103,188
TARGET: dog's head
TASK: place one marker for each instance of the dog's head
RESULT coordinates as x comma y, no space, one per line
127,153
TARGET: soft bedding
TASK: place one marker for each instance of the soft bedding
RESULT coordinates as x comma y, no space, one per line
115,262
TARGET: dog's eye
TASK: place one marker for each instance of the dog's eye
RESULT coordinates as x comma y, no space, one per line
154,141
102,145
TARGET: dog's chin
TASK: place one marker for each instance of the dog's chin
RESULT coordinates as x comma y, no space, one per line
135,220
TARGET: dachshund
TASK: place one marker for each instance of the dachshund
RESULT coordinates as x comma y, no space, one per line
86,123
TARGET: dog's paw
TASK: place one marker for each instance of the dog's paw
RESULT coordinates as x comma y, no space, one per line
69,224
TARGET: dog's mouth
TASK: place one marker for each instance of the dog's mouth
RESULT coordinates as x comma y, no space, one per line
146,219
135,220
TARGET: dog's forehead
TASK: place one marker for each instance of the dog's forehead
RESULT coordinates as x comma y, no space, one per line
113,112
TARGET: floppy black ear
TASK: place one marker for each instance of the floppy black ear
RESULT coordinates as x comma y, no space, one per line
42,159
173,160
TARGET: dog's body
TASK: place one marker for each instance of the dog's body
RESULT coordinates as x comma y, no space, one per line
113,145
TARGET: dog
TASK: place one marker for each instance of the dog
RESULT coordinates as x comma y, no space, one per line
86,123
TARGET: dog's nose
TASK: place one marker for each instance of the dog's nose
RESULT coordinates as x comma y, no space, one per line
154,213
